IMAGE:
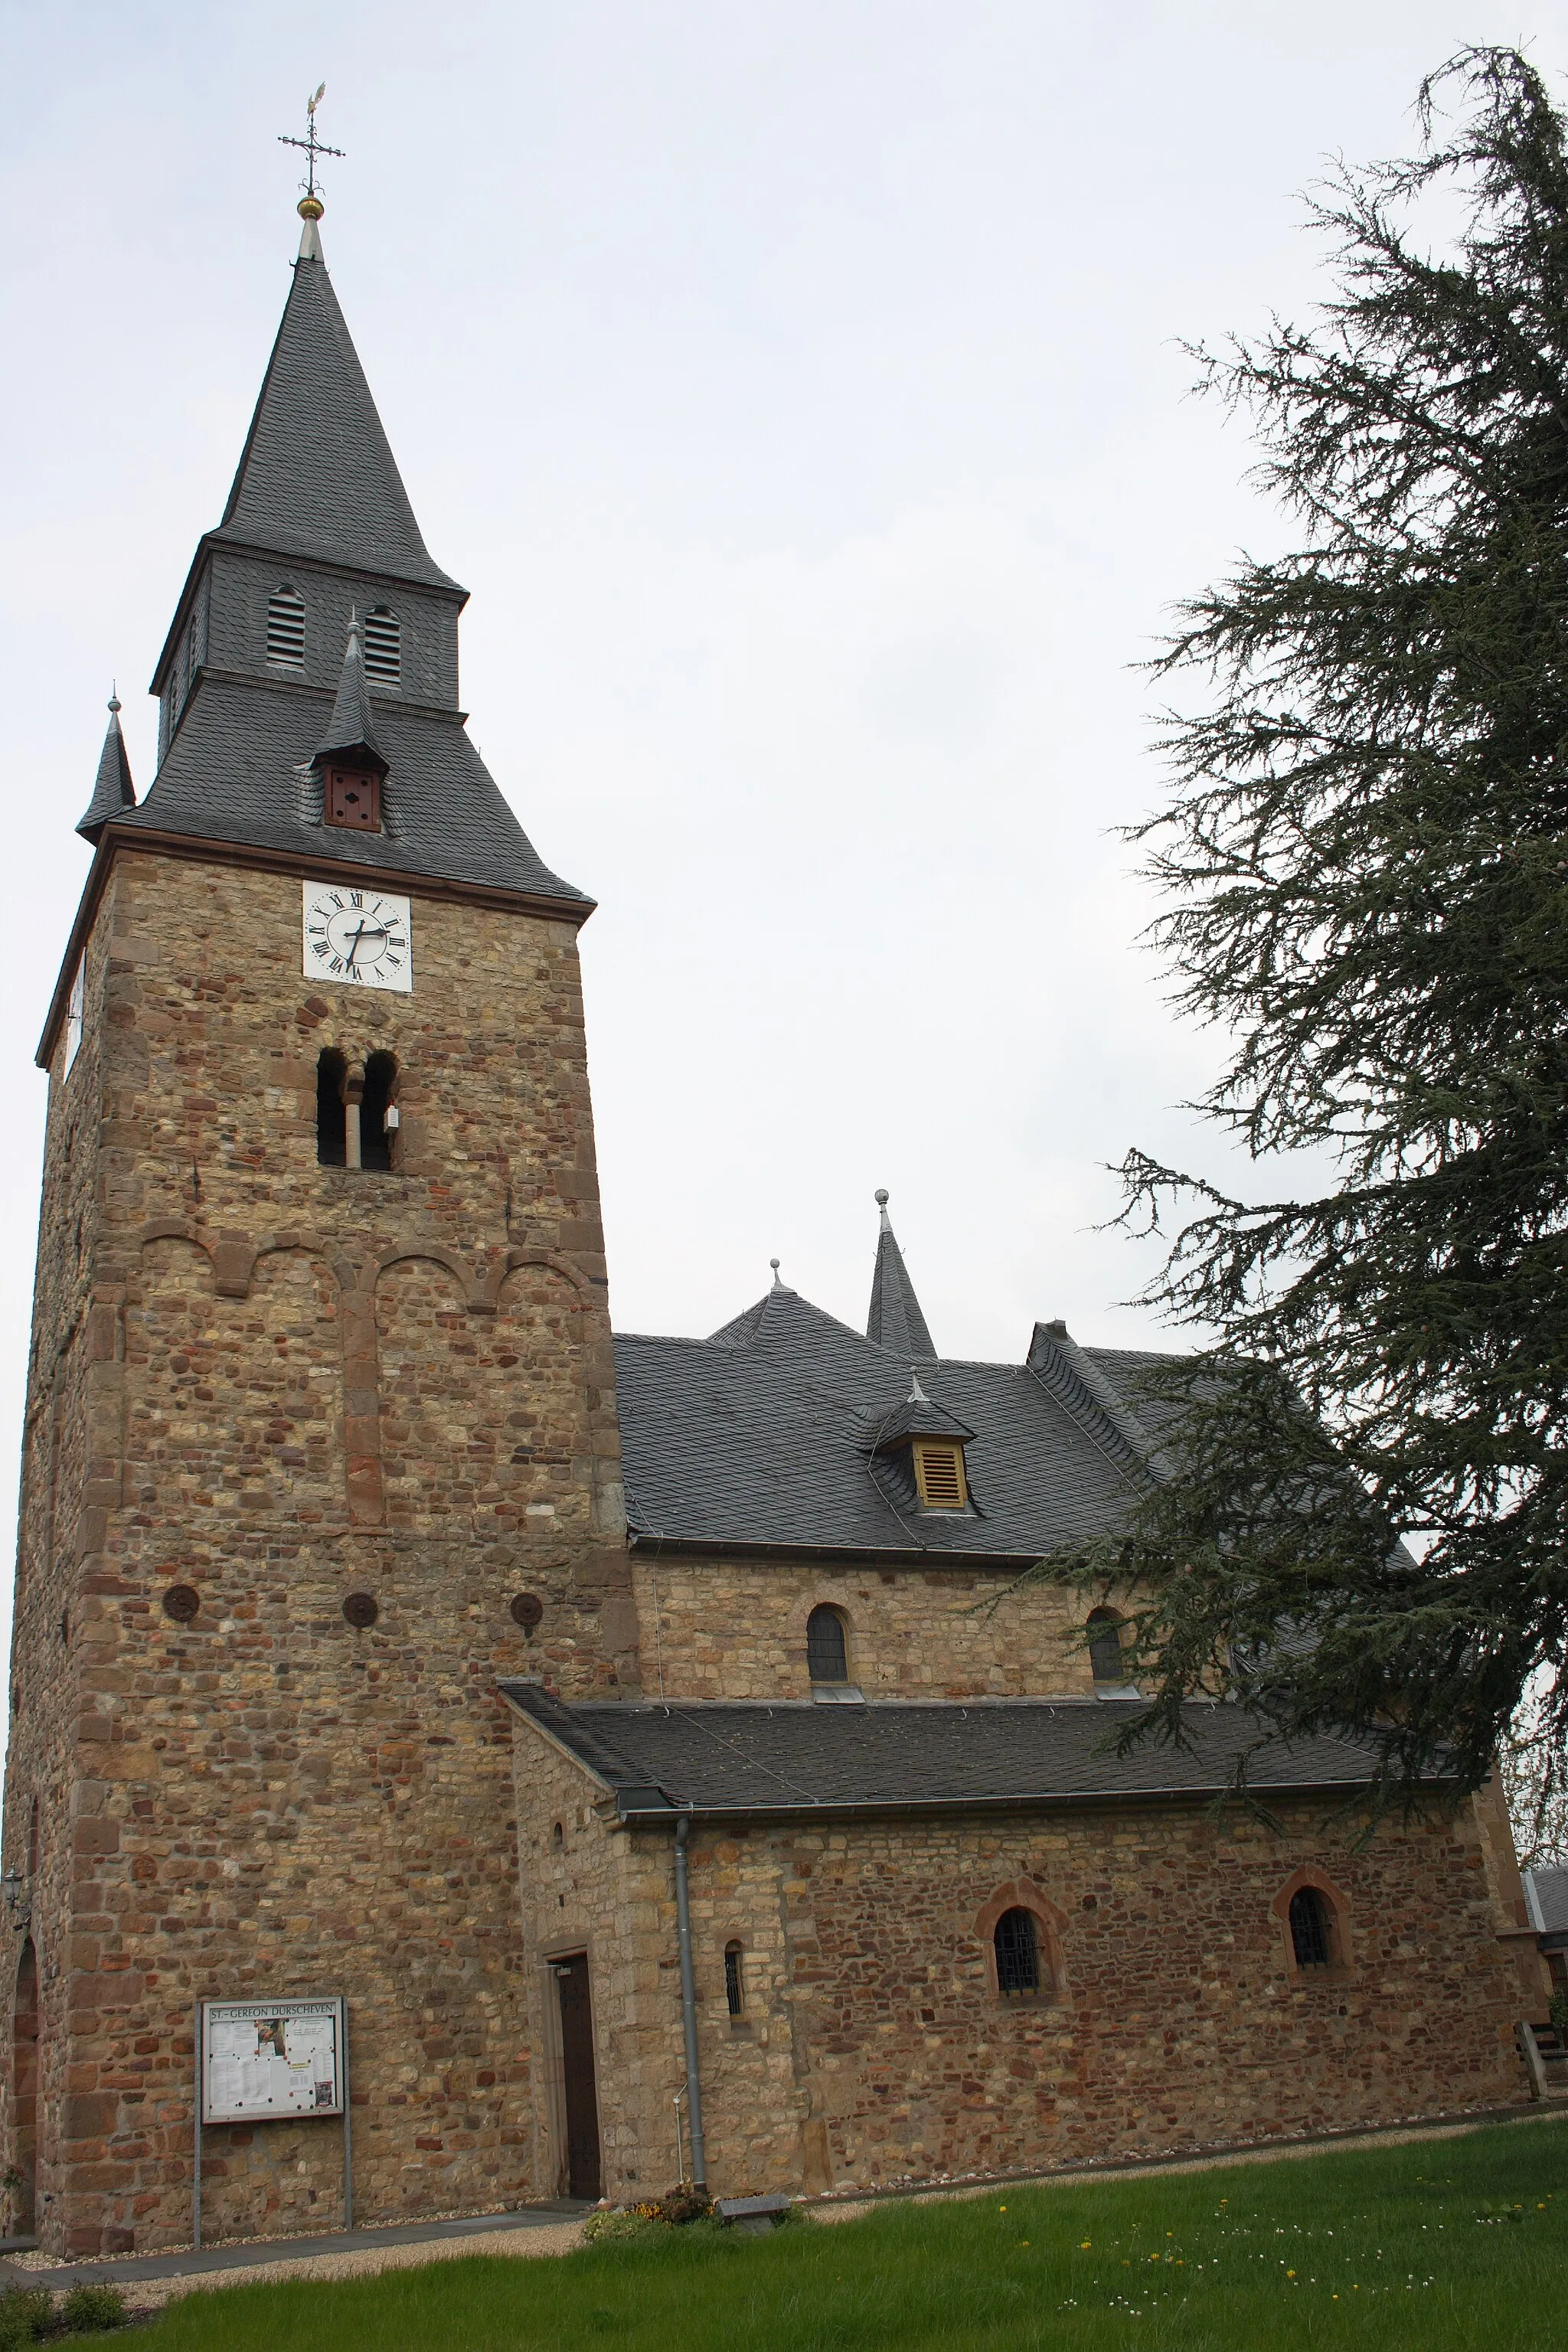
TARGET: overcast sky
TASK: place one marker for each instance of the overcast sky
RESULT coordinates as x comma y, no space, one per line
796,387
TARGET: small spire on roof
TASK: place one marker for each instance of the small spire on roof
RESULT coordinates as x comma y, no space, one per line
113,790
350,732
916,1394
894,1321
775,1264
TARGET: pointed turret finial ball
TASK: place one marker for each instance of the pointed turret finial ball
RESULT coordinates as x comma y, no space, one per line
880,1196
311,208
114,704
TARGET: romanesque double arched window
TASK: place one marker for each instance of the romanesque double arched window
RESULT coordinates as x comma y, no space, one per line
355,1116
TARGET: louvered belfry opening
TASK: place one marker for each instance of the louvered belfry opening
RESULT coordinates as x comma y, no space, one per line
286,627
382,647
939,1475
1017,1944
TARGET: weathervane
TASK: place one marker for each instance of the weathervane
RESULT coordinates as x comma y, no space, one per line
312,147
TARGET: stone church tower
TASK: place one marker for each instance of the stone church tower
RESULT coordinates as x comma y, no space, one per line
321,1439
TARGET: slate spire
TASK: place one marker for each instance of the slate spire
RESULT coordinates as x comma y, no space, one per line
113,790
894,1321
350,730
317,476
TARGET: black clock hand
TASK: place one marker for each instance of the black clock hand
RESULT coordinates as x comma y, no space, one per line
353,951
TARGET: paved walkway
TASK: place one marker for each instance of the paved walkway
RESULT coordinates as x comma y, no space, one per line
346,2253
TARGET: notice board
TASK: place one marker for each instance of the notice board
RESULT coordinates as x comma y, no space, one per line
271,2059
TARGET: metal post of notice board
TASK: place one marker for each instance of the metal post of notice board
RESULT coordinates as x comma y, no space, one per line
196,2202
348,2123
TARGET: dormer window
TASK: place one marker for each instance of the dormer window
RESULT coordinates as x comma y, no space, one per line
382,647
353,799
939,1475
286,627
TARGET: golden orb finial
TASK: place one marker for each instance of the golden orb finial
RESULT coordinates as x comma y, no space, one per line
310,207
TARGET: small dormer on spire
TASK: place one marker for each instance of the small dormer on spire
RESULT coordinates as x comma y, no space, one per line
349,762
894,1321
114,791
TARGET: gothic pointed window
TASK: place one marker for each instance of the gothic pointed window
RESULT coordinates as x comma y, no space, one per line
286,627
382,647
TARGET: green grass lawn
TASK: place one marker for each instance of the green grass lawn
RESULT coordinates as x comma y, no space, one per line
1458,2243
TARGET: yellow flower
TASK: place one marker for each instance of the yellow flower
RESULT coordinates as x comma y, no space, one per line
1289,2273
1084,2244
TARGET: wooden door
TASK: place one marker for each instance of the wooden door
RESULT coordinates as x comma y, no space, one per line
582,2173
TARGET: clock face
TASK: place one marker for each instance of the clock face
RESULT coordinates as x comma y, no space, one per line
358,936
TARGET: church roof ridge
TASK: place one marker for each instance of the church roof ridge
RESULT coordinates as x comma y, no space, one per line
113,791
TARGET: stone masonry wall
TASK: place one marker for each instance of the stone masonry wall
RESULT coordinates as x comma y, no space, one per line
280,1384
875,2049
719,1628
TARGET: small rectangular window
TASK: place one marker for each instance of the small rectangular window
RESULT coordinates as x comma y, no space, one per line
939,1476
734,1991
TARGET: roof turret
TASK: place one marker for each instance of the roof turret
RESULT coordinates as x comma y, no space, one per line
894,1321
350,729
113,790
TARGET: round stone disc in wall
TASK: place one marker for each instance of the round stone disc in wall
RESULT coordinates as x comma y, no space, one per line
181,1603
361,1610
528,1610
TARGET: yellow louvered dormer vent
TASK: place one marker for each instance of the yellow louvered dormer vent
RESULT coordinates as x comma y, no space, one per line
939,1475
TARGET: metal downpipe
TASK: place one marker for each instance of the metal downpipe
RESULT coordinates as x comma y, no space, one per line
689,2005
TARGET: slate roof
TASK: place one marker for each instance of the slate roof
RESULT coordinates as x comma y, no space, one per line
238,771
113,791
1548,1892
764,1435
794,1758
317,476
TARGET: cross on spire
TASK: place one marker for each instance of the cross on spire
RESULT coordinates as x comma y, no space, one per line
312,147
